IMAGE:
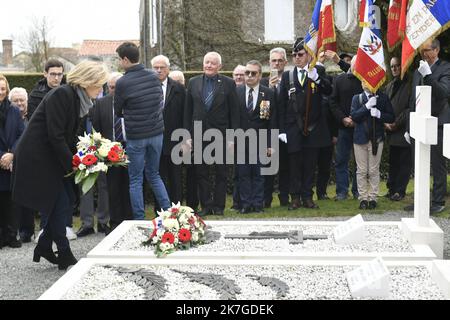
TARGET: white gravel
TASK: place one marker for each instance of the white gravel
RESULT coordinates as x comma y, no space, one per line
378,239
305,282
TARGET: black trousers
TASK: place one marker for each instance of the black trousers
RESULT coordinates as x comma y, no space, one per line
251,185
400,162
283,178
8,220
191,187
236,192
302,167
171,175
324,160
216,200
26,219
119,196
439,170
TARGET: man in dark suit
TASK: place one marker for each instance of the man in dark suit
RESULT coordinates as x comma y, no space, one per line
398,91
435,72
211,99
256,105
174,95
278,61
111,127
303,123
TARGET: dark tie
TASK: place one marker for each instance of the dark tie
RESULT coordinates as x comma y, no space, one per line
208,93
88,126
250,101
118,133
302,77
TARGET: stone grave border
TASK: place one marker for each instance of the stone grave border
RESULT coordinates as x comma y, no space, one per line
439,269
103,249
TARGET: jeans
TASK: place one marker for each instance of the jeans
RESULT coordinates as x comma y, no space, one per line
343,151
144,155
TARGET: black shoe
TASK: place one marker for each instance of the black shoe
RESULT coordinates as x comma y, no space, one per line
66,259
284,202
47,254
267,205
235,207
409,208
206,212
104,228
323,197
372,204
363,205
245,210
309,204
82,232
295,204
258,210
25,238
218,212
14,243
396,197
388,195
436,208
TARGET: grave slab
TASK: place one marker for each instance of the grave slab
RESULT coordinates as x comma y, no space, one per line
441,275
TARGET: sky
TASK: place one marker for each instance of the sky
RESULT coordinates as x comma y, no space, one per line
71,21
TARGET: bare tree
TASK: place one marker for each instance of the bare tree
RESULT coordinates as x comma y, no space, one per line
36,42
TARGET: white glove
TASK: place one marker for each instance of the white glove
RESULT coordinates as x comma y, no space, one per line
407,138
282,137
371,103
313,75
424,68
374,112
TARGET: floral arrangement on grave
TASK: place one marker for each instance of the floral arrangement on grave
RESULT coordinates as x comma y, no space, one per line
95,154
177,228
264,110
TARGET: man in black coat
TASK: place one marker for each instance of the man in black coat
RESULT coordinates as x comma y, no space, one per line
303,123
400,161
435,72
346,85
256,103
174,97
278,61
53,77
111,127
211,100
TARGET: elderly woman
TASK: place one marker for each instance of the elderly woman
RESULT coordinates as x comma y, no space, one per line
11,128
44,157
19,97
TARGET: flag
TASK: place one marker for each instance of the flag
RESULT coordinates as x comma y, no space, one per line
425,19
369,65
395,33
321,31
362,12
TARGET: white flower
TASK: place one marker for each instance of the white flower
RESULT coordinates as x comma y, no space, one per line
104,150
170,224
99,167
97,136
82,166
195,236
160,233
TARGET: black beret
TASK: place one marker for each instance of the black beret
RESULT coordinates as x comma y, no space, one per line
345,55
298,45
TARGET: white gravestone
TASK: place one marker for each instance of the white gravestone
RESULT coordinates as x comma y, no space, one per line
351,231
369,280
423,128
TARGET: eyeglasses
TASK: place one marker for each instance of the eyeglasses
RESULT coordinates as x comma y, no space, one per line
277,60
251,73
56,75
394,66
298,54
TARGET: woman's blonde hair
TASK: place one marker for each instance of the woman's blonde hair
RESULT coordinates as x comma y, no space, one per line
88,73
2,77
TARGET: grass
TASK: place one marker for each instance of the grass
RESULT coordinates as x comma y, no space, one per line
328,208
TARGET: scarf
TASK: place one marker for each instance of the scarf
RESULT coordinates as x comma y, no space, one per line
85,102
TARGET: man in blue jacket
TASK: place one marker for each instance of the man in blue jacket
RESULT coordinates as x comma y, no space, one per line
139,99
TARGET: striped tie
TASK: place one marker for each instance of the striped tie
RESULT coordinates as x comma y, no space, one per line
250,101
118,133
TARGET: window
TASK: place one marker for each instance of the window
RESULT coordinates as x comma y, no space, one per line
279,20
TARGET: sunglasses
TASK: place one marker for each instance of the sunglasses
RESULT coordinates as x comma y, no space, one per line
298,54
251,73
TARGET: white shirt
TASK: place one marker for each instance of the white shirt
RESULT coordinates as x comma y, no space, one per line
255,95
164,89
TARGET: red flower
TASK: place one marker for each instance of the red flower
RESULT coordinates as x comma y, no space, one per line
76,161
113,156
174,210
92,148
168,237
116,148
89,160
184,235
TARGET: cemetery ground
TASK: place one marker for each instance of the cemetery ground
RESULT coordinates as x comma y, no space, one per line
21,279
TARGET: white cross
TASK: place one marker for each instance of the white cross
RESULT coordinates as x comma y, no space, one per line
423,128
446,140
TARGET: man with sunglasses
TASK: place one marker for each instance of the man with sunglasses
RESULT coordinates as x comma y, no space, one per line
398,91
303,123
434,72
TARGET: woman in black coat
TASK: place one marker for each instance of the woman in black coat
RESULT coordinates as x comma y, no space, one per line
44,157
11,128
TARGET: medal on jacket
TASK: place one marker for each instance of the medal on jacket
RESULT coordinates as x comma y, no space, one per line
313,87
